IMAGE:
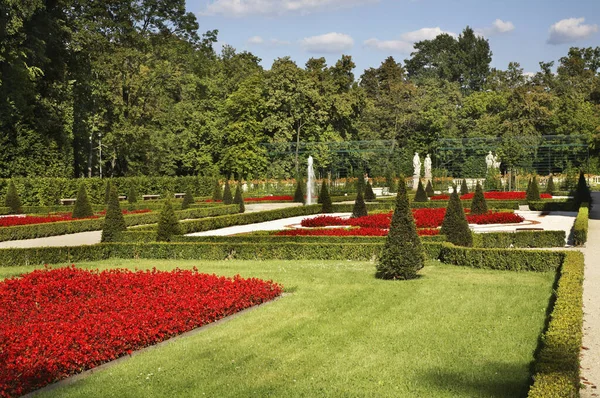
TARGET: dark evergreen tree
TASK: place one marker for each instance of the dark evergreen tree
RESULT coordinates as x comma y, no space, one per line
227,197
479,204
528,190
421,195
360,207
83,208
114,223
188,199
132,195
217,192
12,200
369,194
403,253
168,224
455,226
550,188
239,197
582,192
299,193
534,190
429,189
464,188
326,205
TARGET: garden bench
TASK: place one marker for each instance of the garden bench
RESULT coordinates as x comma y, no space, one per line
179,195
68,202
150,197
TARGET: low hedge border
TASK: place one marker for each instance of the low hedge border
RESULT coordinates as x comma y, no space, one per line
580,227
520,239
556,367
146,205
492,204
552,205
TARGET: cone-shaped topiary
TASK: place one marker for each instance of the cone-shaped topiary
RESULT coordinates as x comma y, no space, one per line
238,199
421,195
403,253
479,204
369,194
464,188
227,197
217,192
132,195
107,192
114,223
582,192
83,208
360,207
326,205
550,188
299,193
528,190
168,224
534,190
455,225
188,199
389,180
12,200
429,189
393,186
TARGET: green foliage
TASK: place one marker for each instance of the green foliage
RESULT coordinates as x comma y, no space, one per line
455,226
188,200
533,190
403,253
107,192
479,204
132,196
369,194
325,199
491,204
492,180
390,179
83,208
217,192
168,224
114,222
580,227
582,192
520,239
464,188
550,188
12,200
360,208
227,197
239,198
299,192
429,189
421,195
557,364
553,205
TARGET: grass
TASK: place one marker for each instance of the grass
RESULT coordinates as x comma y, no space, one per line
454,332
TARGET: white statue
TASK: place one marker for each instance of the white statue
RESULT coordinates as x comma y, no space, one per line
428,166
489,160
496,162
417,165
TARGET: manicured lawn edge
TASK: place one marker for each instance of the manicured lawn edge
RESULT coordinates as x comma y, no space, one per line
580,227
557,363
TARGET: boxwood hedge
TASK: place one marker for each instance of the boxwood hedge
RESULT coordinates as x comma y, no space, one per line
580,227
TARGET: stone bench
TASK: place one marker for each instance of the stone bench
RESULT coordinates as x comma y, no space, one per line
179,195
67,202
150,197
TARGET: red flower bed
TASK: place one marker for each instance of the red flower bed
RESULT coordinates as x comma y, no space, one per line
127,212
348,232
495,218
440,197
495,196
12,221
59,322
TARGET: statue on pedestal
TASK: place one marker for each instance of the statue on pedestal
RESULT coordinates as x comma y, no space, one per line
489,160
428,167
417,165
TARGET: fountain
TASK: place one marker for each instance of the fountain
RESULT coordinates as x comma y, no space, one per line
310,183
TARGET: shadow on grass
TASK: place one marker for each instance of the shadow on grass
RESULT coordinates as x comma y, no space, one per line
494,379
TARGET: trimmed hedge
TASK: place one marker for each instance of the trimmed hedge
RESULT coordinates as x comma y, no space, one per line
552,205
492,204
580,227
53,255
520,239
557,363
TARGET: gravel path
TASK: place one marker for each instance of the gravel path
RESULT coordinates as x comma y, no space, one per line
590,355
78,239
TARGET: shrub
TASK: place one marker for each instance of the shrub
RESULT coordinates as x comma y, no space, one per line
188,199
227,197
582,192
455,225
83,208
528,190
132,195
464,189
107,192
239,198
533,191
114,222
325,199
421,195
360,207
403,254
299,193
479,204
429,189
550,188
369,194
390,180
217,192
168,224
580,227
12,200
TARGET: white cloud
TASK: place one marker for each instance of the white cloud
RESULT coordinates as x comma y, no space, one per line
259,41
405,43
256,40
498,27
328,43
242,8
570,30
424,34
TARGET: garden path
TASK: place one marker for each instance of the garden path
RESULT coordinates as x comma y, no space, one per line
590,355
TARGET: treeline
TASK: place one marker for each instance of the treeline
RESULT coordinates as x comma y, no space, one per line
136,79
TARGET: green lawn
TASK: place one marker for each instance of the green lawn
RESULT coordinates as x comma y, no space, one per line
455,332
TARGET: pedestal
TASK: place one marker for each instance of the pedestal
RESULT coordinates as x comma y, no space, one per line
415,183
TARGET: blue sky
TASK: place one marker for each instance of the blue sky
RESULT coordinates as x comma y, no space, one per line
525,31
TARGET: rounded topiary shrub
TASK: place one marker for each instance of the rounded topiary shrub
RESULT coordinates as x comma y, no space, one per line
217,192
188,199
479,204
429,189
369,194
227,197
12,200
83,208
360,207
464,188
238,199
114,222
132,195
455,225
421,195
168,224
326,205
402,255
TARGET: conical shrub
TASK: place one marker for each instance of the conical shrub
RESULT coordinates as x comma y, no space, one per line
550,188
217,192
403,255
168,224
464,188
299,193
238,199
528,190
360,207
421,195
582,192
389,180
227,197
12,200
107,192
369,194
326,205
429,189
188,199
114,223
455,226
479,204
132,195
83,208
534,190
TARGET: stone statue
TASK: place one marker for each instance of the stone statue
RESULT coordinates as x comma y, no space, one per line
496,162
489,160
428,166
417,165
